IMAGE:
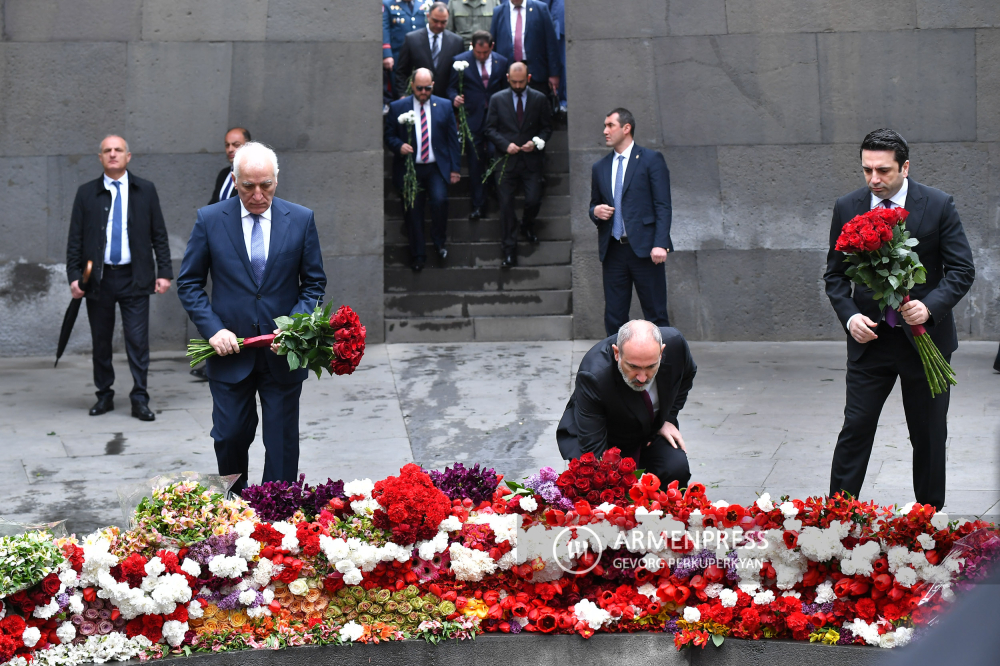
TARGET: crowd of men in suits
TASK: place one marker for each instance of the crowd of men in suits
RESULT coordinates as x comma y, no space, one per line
509,83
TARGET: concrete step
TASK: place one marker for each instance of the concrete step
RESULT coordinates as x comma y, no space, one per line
459,207
484,230
479,329
465,304
437,278
555,161
476,255
555,184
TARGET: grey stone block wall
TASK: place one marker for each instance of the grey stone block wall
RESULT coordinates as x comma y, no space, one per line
759,107
171,76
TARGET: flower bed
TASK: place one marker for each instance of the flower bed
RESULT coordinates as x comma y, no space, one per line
453,554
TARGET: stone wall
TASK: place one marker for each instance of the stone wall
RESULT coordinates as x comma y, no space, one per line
759,107
171,76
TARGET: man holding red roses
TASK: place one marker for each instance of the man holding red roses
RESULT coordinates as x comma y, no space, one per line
629,391
880,343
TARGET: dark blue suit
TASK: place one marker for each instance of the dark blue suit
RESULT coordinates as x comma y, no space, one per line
477,103
293,282
558,10
646,213
434,177
540,43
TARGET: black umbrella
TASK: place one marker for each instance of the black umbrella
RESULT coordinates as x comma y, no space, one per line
71,312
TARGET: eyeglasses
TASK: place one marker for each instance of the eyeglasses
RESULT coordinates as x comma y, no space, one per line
423,88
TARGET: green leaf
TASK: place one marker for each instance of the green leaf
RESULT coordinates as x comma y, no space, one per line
911,242
293,361
883,272
920,275
717,639
894,281
283,322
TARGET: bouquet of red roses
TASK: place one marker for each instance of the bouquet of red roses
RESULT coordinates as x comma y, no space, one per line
607,479
881,255
315,341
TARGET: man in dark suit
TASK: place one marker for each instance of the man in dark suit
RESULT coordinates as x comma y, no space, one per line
399,18
485,76
225,182
516,117
437,160
557,8
264,258
523,31
117,224
433,48
879,346
632,213
629,390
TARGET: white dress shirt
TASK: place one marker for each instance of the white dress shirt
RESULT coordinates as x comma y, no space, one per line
227,187
265,226
430,39
418,132
654,396
524,27
126,252
488,65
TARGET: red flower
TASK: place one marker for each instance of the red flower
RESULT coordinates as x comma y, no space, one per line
8,647
50,584
412,507
866,609
626,466
791,539
13,625
546,622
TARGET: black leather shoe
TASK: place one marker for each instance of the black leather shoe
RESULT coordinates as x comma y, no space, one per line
509,260
443,253
476,214
142,412
529,234
417,266
102,406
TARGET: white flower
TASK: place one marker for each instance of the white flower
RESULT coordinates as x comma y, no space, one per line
539,142
763,598
227,567
728,598
351,631
190,567
47,611
408,118
263,572
75,604
247,548
31,636
792,524
460,65
591,614
906,576
906,509
66,632
825,593
527,502
195,610
691,614
764,502
450,524
939,520
926,541
68,577
713,590
468,564
173,632
290,542
353,577
789,510
299,587
244,528
155,567
248,597
869,632
648,590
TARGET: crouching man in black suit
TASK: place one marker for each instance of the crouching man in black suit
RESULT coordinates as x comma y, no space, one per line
629,391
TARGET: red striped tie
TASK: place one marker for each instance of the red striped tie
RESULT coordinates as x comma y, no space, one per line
425,147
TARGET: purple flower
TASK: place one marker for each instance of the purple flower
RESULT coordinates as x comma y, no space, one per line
87,628
278,500
62,600
105,627
230,601
846,637
671,626
460,483
515,627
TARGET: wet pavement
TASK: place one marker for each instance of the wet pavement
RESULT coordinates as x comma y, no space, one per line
761,416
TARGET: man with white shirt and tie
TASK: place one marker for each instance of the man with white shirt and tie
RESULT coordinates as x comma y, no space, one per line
630,204
880,344
264,258
225,182
524,32
432,47
436,156
117,224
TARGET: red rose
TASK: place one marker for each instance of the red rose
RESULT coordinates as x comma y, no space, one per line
599,479
588,458
594,497
626,466
608,496
612,455
582,484
50,585
614,478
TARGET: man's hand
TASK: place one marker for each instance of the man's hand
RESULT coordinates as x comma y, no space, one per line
862,329
554,84
74,289
658,255
914,312
672,435
162,285
512,149
528,147
455,177
405,149
458,101
276,344
224,343
387,63
602,212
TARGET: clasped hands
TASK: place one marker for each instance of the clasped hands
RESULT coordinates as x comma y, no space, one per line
913,312
514,149
225,342
673,436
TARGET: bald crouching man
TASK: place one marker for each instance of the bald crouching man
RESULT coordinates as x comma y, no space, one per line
629,390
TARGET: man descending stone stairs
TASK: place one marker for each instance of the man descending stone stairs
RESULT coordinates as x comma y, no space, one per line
468,296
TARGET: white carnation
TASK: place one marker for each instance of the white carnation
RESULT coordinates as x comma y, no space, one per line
460,65
470,565
713,590
248,597
926,541
66,632
173,632
939,520
244,528
764,502
75,604
31,636
591,614
906,577
351,631
789,510
763,598
539,142
450,524
190,567
195,610
353,577
155,567
825,593
691,614
527,502
728,598
47,611
247,548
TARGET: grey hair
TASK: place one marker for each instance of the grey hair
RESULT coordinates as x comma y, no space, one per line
629,331
438,6
100,146
257,154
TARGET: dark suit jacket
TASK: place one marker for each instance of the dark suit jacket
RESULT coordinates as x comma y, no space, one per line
147,233
646,208
416,53
219,180
943,250
477,98
540,42
293,281
604,412
502,128
444,135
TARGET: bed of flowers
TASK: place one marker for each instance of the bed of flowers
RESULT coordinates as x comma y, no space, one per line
453,554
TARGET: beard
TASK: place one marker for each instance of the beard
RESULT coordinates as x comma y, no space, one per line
633,384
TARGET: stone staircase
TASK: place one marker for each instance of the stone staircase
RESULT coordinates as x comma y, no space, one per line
468,297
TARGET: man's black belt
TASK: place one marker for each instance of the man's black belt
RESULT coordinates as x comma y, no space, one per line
623,240
115,267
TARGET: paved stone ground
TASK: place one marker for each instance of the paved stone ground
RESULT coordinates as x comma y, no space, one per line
761,416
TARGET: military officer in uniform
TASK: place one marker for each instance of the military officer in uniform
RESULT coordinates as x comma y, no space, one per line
399,17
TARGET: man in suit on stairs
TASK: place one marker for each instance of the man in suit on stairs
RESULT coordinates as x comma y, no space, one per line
225,182
516,116
485,76
524,32
630,204
433,48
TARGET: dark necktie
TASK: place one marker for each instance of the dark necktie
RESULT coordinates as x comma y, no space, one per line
435,51
887,203
425,145
116,225
649,404
520,110
485,76
257,259
518,36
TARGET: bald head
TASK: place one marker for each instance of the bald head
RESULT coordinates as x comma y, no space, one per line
518,77
423,84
